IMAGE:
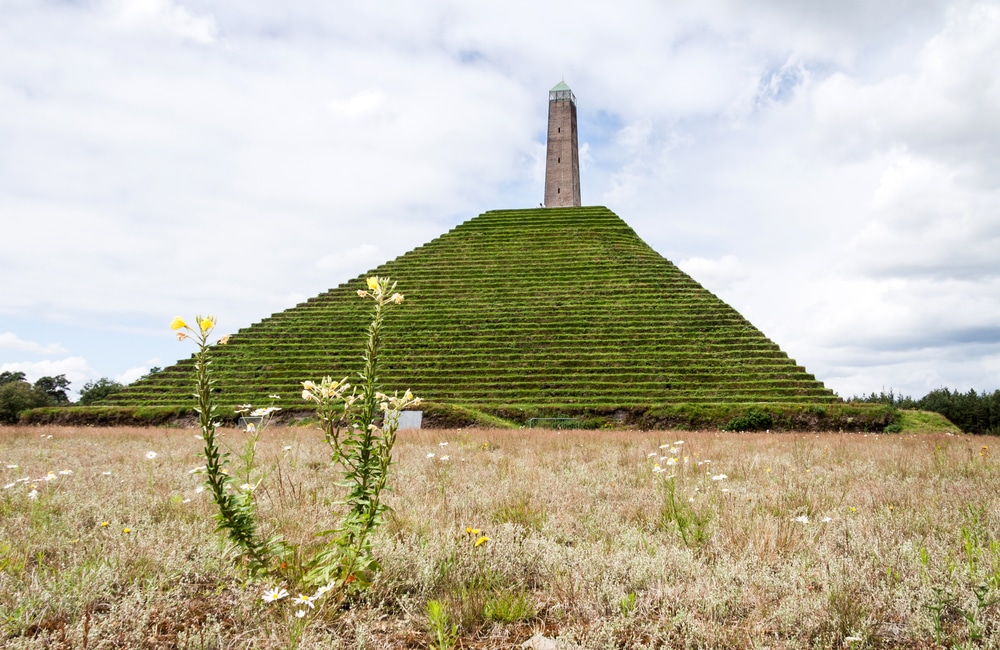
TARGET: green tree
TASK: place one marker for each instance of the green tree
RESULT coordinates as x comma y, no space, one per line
55,388
8,377
96,391
17,397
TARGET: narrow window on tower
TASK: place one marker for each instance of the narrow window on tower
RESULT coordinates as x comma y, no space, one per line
558,129
558,160
557,190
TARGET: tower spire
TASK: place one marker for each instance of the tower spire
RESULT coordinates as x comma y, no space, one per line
562,156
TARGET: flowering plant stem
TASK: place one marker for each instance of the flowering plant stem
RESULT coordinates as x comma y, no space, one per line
236,508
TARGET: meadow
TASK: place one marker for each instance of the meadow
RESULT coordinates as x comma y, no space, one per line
600,539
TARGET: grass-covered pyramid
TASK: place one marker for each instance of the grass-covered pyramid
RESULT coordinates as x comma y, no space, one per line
548,309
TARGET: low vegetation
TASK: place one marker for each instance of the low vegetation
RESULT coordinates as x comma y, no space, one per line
610,539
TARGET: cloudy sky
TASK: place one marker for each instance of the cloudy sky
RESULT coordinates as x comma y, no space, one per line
830,169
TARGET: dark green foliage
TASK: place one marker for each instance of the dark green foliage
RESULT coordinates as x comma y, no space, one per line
556,308
971,412
55,388
752,420
17,397
7,377
95,391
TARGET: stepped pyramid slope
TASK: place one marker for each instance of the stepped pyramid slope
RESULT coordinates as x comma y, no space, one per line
516,308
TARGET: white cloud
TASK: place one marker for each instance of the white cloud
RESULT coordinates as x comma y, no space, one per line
161,16
76,369
10,341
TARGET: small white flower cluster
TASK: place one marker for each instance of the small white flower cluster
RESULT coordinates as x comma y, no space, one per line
302,600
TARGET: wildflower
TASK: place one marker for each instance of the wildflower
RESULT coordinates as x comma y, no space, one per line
984,451
826,520
664,446
472,531
362,293
372,283
444,458
274,396
430,455
197,470
657,468
150,455
223,340
272,595
322,590
302,599
65,472
33,494
673,451
650,455
853,509
206,324
671,461
10,485
105,473
246,487
299,613
802,519
105,524
178,323
719,477
286,448
397,298
186,501
199,489
443,444
51,476
482,540
12,467
127,530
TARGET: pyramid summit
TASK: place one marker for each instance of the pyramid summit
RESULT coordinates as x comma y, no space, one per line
546,308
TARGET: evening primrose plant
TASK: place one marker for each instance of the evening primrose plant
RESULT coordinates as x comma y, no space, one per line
359,424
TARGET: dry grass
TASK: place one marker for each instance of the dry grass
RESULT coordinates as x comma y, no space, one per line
587,543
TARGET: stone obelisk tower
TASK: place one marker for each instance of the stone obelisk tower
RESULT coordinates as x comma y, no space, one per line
562,157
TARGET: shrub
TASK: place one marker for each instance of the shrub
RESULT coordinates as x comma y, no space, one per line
752,420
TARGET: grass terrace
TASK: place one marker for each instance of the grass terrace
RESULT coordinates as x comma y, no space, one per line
562,308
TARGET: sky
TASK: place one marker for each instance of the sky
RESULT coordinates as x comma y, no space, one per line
829,169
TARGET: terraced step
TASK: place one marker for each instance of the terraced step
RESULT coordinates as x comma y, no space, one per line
540,307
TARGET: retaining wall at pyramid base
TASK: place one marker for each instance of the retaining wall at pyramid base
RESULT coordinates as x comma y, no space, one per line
759,416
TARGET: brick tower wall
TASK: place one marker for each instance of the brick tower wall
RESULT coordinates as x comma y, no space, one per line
562,158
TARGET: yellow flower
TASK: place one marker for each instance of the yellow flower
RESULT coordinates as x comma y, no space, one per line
126,530
472,531
178,323
105,524
206,324
482,540
373,283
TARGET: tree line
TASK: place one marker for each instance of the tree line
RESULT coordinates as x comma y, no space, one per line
971,412
17,394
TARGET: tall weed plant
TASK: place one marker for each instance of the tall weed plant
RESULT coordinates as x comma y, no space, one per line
359,424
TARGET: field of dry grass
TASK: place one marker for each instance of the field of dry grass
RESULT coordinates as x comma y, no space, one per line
748,541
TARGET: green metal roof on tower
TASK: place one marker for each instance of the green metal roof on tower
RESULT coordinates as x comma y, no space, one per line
559,86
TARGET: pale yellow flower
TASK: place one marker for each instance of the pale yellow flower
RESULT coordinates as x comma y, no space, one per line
397,298
178,323
482,540
373,283
206,324
225,339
